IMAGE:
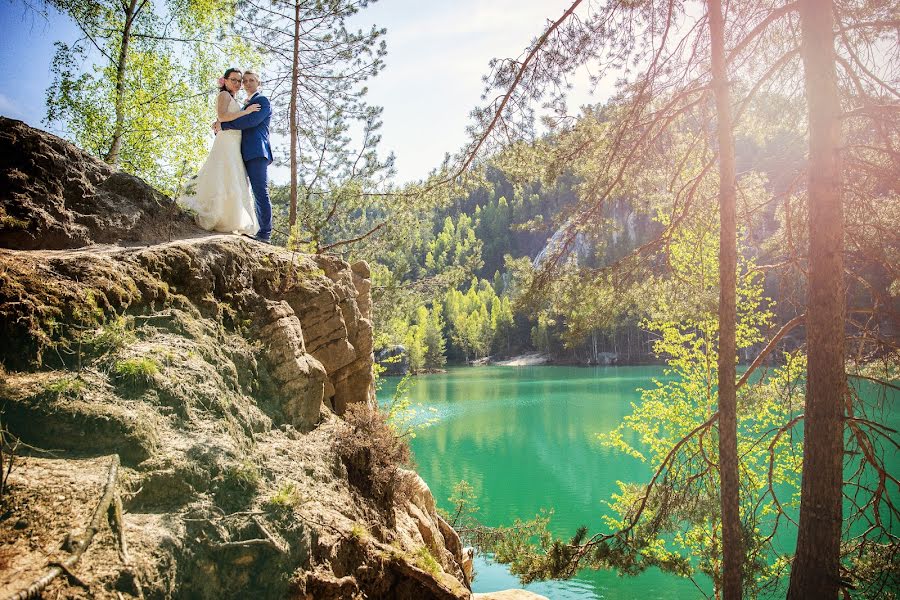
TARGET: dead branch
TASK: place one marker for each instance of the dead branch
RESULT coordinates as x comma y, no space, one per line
248,544
115,518
769,347
880,382
279,544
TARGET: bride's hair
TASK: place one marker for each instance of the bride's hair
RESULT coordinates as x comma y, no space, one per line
227,73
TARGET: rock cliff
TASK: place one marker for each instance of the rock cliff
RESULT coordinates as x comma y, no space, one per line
215,368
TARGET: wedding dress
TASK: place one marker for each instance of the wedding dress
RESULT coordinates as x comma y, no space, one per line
220,194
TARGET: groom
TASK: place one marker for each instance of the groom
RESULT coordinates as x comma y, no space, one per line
256,151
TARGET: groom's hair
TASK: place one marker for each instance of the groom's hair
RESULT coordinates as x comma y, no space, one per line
254,74
227,74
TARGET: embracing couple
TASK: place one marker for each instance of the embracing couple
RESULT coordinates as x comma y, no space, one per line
219,194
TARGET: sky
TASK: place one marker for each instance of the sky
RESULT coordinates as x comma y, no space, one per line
438,53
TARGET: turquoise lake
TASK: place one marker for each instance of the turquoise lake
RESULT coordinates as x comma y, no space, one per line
526,438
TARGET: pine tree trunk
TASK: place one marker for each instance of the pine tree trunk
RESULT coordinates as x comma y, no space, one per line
295,85
732,546
815,573
112,157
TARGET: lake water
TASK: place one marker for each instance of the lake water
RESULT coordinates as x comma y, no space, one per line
526,438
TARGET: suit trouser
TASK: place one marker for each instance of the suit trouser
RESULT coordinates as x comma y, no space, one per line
257,171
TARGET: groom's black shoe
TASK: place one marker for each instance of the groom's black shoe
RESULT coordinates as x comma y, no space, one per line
258,239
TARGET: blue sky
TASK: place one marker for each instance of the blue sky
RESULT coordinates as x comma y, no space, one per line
437,55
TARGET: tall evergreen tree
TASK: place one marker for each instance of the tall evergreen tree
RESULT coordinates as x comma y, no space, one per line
816,569
321,67
732,544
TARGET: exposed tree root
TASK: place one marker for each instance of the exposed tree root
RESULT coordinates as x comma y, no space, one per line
80,545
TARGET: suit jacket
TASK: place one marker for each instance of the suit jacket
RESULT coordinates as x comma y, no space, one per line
255,130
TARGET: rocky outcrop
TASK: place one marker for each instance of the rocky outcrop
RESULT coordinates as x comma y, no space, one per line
56,196
308,323
300,378
216,368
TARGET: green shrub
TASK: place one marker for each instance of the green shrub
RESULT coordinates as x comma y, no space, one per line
372,454
358,531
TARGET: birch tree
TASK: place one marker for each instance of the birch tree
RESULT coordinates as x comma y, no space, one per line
134,89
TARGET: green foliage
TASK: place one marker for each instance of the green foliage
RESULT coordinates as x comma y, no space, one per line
424,340
426,561
359,531
433,339
455,246
164,120
469,314
139,369
675,524
111,336
463,500
286,498
524,545
68,385
404,418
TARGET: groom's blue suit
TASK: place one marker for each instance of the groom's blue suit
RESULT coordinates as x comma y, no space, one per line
257,154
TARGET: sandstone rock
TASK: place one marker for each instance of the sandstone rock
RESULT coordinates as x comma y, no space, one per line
300,377
57,196
468,564
206,364
420,493
452,541
363,284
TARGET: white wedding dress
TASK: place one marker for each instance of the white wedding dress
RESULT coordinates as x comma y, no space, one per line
220,194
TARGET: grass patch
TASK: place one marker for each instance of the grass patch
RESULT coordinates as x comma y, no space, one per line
136,370
426,561
243,476
8,222
67,386
237,486
358,531
286,498
112,336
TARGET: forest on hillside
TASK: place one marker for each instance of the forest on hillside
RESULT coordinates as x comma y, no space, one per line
731,210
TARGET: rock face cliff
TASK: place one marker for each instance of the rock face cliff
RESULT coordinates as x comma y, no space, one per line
216,369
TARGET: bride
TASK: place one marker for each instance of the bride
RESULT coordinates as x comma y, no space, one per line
219,194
